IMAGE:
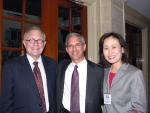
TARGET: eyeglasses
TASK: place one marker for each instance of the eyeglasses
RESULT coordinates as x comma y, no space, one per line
78,45
39,41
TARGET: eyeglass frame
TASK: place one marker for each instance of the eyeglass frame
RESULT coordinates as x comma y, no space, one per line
38,41
78,45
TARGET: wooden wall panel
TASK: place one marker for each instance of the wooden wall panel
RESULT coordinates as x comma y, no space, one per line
84,26
49,23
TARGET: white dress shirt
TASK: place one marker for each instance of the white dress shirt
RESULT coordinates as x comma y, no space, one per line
82,70
43,74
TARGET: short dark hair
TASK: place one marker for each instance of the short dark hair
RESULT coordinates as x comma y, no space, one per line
122,43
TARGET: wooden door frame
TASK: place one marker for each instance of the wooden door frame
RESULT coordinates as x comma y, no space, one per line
49,23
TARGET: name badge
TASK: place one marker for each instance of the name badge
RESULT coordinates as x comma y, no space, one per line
107,98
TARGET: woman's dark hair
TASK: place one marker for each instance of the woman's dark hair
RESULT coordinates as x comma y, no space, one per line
122,43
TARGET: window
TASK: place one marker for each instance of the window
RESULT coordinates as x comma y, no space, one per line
18,15
69,20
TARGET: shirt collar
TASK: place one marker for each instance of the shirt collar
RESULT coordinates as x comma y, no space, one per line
84,61
31,60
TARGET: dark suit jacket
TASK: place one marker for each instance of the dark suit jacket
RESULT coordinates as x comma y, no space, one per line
19,90
93,87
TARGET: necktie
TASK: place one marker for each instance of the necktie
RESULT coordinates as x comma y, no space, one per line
39,83
74,104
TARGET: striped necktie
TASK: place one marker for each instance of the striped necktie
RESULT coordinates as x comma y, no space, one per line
75,99
39,83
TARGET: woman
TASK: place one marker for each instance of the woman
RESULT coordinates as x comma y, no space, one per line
124,86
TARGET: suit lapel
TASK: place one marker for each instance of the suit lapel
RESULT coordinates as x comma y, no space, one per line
29,77
45,65
47,72
106,75
120,73
89,86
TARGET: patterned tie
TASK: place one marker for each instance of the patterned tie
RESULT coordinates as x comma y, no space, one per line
39,83
74,104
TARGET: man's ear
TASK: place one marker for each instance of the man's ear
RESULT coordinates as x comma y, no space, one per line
66,50
44,43
84,46
24,43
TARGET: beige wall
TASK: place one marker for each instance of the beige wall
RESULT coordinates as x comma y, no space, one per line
103,16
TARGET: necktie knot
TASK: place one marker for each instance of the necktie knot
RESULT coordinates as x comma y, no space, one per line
35,63
75,67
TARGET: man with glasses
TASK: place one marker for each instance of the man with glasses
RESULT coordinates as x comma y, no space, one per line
79,81
29,80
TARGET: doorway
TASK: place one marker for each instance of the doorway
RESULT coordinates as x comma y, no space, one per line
134,41
137,40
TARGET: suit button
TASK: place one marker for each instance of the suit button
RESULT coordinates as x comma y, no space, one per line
40,105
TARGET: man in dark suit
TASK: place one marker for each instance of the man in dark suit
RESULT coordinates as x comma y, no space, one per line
22,86
90,80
